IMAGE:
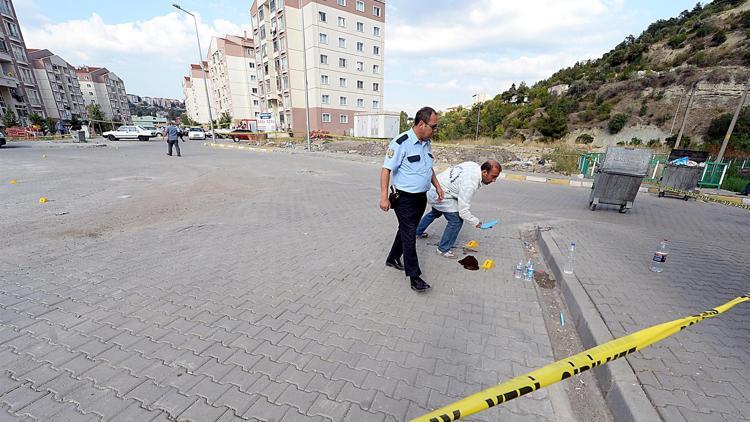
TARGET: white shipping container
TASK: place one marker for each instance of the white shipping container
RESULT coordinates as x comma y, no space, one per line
377,125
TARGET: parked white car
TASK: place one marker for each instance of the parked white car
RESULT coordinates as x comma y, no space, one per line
196,133
128,132
154,131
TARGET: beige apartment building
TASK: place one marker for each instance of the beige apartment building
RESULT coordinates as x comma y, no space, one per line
19,90
193,88
100,86
343,47
231,68
58,86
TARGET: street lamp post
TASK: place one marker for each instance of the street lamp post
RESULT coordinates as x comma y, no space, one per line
304,64
205,75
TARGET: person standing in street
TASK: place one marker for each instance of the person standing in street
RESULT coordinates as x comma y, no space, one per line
172,133
460,183
408,164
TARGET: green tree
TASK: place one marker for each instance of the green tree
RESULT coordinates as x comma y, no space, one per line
617,122
225,120
403,123
97,117
36,119
49,123
187,121
9,119
740,139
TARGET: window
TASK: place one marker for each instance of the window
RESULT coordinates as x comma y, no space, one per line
343,118
323,38
342,42
360,102
342,100
326,99
323,59
376,50
342,62
360,66
375,69
322,16
360,46
376,11
324,79
326,117
342,2
375,104
375,86
360,27
255,102
342,22
360,6
360,84
376,31
342,82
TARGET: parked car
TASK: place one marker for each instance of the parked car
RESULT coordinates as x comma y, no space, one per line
241,134
196,133
154,131
128,132
2,138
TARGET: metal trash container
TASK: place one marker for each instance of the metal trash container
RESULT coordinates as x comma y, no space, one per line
682,177
619,176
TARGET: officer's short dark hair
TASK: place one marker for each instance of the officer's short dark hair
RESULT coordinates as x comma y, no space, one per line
423,115
490,164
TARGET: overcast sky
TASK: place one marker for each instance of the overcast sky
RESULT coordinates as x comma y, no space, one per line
437,52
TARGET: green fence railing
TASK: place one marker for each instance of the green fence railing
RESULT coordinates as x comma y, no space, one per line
713,175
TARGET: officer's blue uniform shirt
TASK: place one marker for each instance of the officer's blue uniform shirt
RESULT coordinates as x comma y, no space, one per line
410,162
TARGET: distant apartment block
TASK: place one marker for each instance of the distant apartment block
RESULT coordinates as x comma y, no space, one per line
231,67
344,50
19,90
100,86
58,86
154,101
193,88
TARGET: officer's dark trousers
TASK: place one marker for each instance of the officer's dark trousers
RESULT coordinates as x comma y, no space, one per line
409,211
176,144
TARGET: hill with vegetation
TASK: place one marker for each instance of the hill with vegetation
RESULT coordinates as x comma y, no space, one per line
633,93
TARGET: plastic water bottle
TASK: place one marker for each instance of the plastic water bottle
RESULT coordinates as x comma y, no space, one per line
520,269
568,267
660,256
529,276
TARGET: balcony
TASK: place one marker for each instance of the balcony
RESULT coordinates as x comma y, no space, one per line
8,81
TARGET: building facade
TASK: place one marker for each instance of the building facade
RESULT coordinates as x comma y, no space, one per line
194,89
19,90
231,67
343,52
102,87
58,86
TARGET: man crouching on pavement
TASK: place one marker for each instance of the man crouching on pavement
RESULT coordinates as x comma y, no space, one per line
460,184
408,163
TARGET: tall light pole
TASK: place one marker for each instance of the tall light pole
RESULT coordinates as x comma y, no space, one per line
205,75
304,64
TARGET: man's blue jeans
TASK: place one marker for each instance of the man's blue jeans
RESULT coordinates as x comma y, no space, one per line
451,229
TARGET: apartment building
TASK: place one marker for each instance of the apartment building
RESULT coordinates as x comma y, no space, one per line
100,86
19,90
194,90
343,47
231,67
58,86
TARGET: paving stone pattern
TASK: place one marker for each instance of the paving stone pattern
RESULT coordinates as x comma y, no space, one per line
231,285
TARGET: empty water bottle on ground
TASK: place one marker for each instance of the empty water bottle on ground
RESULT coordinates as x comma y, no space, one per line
568,267
529,276
660,256
520,269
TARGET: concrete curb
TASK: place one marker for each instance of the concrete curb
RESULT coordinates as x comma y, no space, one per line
625,397
580,183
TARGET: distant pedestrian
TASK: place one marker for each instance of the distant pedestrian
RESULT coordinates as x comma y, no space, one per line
172,133
460,183
408,164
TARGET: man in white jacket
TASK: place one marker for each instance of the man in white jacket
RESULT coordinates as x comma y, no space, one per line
459,183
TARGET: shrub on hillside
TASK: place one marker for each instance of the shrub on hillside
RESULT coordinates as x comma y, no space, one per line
617,122
685,142
676,41
634,141
653,143
584,138
564,160
718,38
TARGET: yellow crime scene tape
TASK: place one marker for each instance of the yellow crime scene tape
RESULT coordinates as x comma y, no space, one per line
568,367
704,197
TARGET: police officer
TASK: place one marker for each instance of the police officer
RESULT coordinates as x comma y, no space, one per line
408,163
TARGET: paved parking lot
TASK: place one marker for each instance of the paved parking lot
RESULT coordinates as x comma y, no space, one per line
245,285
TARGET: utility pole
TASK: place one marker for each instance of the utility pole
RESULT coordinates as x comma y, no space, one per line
676,112
304,64
685,117
479,108
731,125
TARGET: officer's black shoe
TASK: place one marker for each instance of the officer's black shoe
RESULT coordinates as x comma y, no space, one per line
419,285
394,263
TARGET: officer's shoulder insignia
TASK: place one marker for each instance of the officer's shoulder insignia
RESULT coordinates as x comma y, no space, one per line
402,138
390,153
